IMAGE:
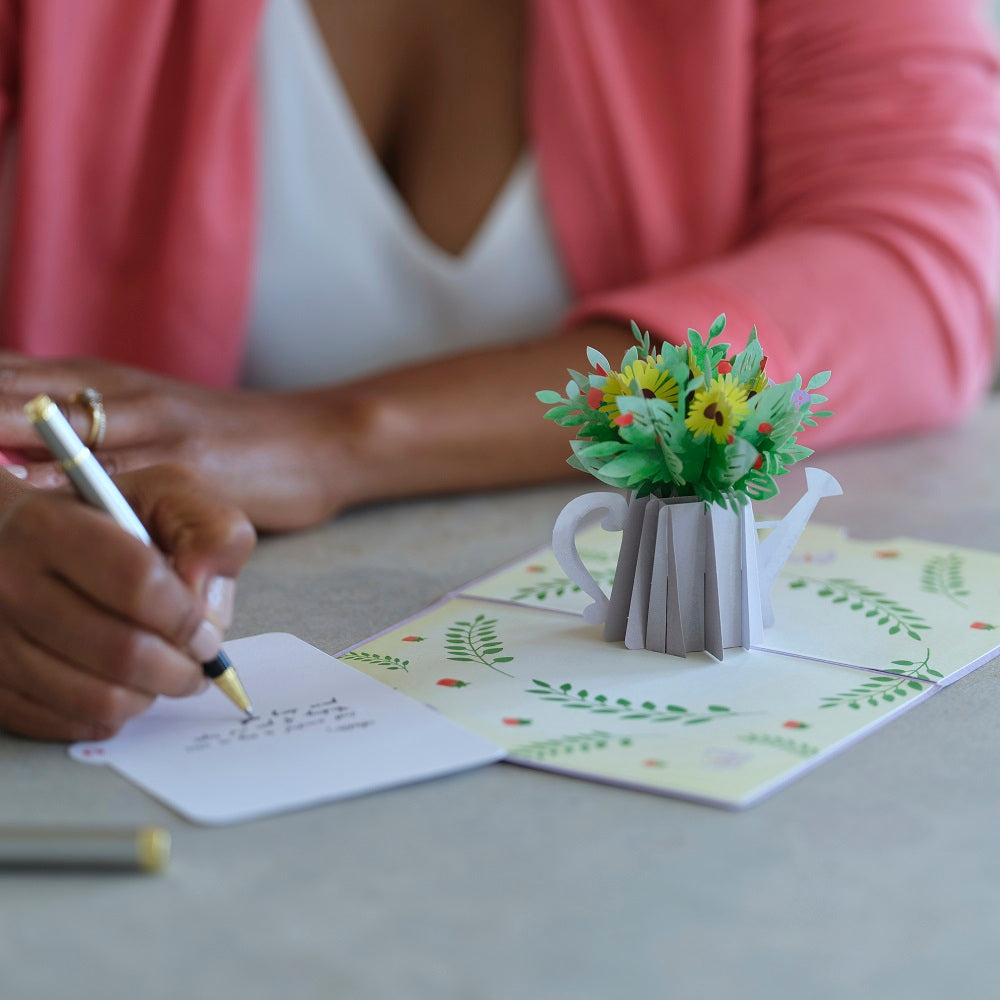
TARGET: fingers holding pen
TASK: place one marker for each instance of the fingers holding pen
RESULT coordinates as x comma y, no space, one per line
93,622
120,596
26,717
44,698
98,621
207,538
142,629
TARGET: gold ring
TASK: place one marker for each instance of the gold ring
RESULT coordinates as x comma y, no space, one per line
94,402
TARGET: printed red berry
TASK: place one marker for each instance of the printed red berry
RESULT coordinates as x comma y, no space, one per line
413,638
983,625
451,682
511,721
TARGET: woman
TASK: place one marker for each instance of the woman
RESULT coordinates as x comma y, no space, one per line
370,215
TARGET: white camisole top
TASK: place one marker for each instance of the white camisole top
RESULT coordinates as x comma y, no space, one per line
346,283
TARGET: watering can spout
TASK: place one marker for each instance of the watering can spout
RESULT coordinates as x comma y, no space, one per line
773,551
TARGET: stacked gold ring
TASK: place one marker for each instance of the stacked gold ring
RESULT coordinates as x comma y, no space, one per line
94,402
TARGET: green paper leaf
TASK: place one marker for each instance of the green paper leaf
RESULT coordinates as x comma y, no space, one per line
718,325
548,396
596,449
598,360
624,465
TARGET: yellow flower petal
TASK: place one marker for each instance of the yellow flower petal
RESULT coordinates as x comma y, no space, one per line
718,409
652,383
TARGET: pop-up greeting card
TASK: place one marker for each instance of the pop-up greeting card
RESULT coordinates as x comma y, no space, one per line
864,631
695,433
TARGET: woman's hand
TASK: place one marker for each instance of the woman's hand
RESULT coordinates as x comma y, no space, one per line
94,624
270,453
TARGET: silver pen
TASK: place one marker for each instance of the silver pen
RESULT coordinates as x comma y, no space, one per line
96,487
142,849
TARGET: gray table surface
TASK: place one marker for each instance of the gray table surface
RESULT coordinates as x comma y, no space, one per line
877,874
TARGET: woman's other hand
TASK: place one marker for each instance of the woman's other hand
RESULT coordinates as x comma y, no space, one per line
269,453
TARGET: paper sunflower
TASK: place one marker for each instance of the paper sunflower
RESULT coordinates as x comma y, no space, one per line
691,420
652,382
718,408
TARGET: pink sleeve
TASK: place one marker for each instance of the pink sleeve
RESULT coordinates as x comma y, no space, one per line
874,247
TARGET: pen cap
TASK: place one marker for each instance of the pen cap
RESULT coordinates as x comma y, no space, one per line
83,470
53,428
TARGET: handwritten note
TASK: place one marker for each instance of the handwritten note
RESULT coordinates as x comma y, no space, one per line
331,716
323,731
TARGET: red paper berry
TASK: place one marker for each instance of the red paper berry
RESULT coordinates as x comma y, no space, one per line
758,462
764,427
723,367
595,397
624,419
730,439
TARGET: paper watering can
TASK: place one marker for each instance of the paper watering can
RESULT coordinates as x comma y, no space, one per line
690,575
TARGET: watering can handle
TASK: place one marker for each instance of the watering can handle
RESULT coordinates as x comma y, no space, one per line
564,544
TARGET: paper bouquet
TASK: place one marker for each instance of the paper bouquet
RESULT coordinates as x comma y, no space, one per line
687,420
693,432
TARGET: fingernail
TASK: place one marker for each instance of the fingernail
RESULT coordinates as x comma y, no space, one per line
220,598
206,642
17,470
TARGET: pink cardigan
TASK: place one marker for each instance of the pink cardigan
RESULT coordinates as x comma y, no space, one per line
822,170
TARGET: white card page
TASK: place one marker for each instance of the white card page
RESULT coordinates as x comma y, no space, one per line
322,731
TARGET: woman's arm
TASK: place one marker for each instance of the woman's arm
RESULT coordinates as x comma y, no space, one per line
293,459
471,422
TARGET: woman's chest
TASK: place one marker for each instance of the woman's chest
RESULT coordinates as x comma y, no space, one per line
436,88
